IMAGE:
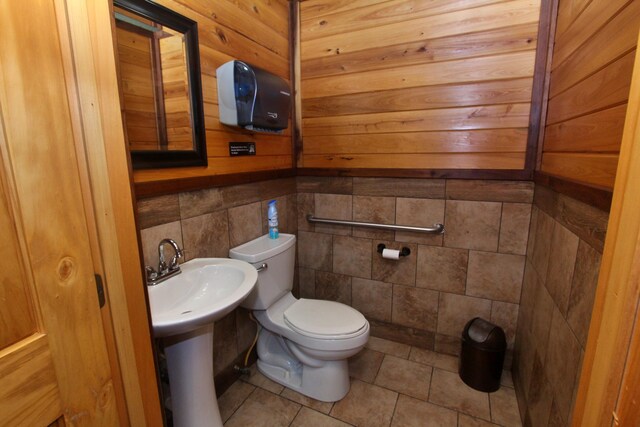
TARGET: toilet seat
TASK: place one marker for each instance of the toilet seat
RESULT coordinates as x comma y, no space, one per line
273,320
324,319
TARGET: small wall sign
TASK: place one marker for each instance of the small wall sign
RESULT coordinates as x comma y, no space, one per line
242,149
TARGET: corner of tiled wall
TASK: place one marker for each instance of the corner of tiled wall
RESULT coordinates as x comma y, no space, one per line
561,272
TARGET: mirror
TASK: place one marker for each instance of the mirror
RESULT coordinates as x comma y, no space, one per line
161,91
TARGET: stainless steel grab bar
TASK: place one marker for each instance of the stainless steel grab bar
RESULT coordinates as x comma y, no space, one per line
436,229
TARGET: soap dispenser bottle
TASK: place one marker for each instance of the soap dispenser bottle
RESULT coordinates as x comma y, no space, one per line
272,215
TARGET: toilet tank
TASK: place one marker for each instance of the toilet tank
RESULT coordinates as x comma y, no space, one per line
276,278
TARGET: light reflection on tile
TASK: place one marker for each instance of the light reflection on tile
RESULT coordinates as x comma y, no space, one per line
405,376
366,405
447,389
264,409
415,413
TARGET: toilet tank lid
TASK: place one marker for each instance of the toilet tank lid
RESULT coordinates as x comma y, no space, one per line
262,248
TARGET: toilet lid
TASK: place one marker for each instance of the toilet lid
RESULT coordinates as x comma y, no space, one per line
324,318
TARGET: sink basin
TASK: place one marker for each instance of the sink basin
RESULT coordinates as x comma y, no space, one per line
205,291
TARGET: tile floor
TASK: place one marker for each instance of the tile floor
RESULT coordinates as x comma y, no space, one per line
392,384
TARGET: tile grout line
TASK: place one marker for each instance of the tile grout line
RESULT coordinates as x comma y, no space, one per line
378,370
452,409
433,368
490,410
241,404
444,219
500,227
395,408
297,413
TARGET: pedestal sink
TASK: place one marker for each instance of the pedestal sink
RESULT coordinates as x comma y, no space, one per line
183,309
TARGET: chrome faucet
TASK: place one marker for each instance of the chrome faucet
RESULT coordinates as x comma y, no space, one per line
162,265
164,271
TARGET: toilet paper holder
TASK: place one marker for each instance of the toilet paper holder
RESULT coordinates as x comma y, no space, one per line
405,251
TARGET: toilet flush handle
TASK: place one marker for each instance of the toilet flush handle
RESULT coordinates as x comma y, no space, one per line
263,267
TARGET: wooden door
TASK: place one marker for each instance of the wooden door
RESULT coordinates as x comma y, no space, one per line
53,355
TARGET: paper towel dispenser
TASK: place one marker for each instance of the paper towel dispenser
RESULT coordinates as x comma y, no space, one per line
252,98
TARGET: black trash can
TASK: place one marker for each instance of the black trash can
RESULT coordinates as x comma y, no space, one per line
482,356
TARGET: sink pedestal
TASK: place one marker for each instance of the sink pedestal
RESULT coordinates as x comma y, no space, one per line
190,364
183,309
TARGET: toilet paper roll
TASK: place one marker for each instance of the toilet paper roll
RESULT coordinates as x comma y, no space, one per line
390,254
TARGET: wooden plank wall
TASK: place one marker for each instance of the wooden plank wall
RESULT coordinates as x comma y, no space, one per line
595,44
416,84
139,109
255,31
176,91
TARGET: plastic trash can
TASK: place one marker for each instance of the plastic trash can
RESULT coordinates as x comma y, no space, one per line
482,355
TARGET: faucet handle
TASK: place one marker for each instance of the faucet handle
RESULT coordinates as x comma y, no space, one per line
174,260
150,273
162,267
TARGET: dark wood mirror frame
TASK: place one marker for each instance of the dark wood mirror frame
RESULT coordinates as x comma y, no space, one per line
151,159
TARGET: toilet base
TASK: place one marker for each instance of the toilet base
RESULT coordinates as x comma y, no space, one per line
330,383
327,380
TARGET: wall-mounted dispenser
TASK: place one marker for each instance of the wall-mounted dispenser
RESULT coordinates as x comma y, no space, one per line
252,98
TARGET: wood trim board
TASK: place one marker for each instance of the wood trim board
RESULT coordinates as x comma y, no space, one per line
159,188
596,197
92,62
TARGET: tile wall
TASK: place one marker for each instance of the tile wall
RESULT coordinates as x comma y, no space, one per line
207,223
475,269
561,272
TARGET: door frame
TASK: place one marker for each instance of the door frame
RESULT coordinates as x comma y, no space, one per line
90,68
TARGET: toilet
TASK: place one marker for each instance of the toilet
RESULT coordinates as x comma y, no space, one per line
303,344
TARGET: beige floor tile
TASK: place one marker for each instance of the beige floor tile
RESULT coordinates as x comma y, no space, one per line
437,360
323,407
366,405
256,378
467,421
506,379
405,376
365,365
504,407
389,347
381,371
310,418
447,389
233,397
264,409
412,412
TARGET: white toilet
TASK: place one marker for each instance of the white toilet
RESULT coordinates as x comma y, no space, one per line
303,344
